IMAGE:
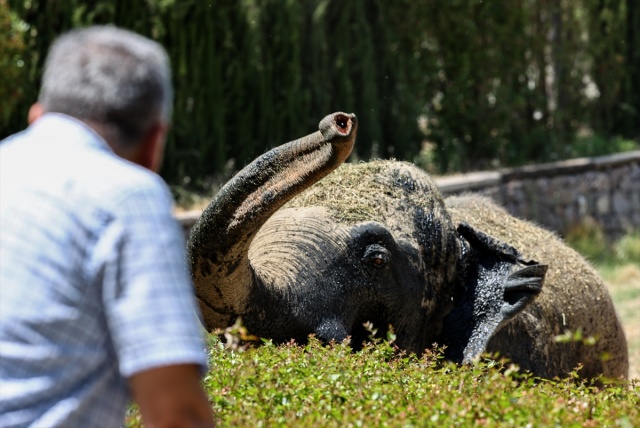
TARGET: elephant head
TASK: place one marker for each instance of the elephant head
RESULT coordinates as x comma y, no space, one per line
295,250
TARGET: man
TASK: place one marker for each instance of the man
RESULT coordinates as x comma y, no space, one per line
95,299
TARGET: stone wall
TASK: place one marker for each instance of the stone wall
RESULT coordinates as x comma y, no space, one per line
563,194
557,195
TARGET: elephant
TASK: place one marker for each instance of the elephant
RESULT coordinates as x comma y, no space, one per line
300,243
574,299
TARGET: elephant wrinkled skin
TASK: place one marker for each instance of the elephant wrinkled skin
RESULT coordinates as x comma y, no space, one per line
295,250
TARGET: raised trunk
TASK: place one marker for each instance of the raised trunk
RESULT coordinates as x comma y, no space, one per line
220,240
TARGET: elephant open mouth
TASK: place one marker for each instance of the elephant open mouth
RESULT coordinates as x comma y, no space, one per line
364,331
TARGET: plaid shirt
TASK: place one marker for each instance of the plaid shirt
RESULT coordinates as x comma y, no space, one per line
93,282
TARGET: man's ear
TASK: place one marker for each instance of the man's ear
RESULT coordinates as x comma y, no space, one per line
495,285
150,152
35,112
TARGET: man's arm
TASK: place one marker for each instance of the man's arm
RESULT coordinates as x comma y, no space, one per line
151,310
172,397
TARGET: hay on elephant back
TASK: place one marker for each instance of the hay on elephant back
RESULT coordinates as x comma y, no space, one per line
368,191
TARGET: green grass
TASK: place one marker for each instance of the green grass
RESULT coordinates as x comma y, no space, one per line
623,281
332,386
599,145
626,294
589,240
618,263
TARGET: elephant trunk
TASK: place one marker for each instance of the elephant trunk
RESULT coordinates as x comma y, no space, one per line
219,243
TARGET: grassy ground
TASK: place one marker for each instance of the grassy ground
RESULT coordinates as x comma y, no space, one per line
320,386
624,284
619,265
331,386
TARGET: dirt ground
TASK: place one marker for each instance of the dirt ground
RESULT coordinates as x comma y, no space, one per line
624,285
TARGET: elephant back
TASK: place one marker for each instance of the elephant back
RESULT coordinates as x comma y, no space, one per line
374,191
574,298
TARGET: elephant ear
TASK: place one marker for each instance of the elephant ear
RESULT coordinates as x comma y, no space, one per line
496,285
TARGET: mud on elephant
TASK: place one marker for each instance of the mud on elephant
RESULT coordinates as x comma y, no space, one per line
295,250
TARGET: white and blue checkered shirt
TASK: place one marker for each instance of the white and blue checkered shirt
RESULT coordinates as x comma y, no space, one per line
93,282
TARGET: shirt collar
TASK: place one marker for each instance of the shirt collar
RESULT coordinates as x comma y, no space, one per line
58,126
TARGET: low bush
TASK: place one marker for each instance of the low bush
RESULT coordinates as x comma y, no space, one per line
589,240
332,386
627,248
599,145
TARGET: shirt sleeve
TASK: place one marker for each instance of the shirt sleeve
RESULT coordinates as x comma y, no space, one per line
147,293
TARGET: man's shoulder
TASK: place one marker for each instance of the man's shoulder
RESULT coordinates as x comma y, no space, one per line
125,190
74,166
123,178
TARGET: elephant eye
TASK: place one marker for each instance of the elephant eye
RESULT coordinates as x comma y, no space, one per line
378,261
376,256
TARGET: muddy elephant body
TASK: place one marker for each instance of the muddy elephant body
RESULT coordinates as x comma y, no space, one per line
574,298
295,251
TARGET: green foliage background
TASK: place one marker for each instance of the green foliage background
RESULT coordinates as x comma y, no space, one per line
455,85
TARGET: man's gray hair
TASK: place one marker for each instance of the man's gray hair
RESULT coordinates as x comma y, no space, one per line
110,76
